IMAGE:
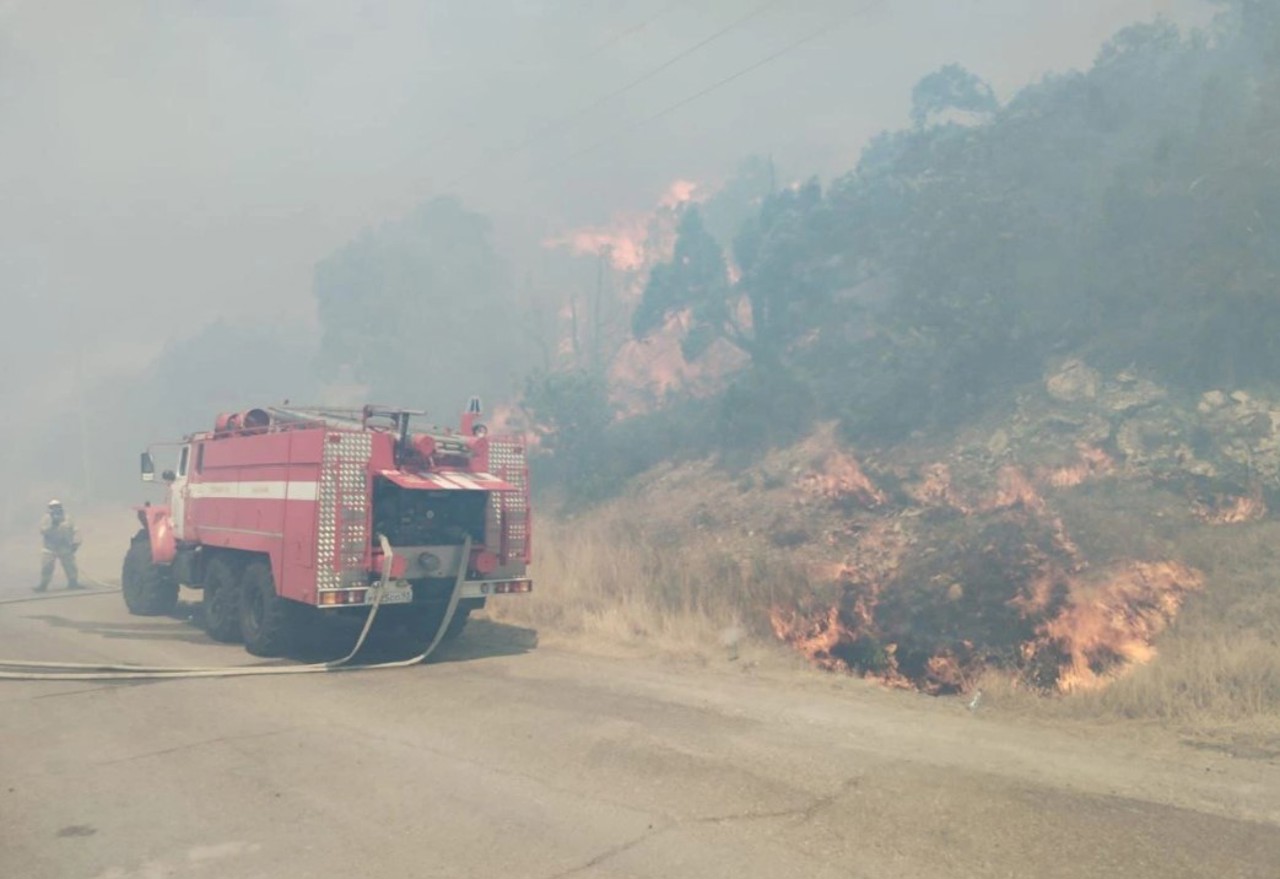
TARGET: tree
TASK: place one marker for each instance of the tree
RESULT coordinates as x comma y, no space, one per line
951,89
570,413
695,279
783,283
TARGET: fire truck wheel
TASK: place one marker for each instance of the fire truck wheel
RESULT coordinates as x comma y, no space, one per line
266,619
457,624
149,590
423,621
221,600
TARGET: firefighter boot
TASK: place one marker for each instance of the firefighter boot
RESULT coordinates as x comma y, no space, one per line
47,561
69,568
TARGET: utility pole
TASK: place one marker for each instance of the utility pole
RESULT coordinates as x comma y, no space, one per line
573,329
86,483
596,321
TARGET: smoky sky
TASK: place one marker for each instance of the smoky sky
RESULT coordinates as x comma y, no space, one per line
167,164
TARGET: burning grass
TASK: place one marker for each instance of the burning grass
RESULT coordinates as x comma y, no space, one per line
1070,580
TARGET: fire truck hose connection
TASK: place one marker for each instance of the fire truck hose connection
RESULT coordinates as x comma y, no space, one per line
20,670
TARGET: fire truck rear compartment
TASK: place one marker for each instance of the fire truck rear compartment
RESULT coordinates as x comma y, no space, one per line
414,517
429,528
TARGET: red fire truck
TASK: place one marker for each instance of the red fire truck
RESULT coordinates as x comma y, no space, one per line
281,514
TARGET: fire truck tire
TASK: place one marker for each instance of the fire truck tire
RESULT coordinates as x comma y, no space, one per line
457,624
427,622
221,600
149,590
267,621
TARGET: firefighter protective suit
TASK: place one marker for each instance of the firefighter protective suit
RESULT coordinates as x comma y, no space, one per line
60,544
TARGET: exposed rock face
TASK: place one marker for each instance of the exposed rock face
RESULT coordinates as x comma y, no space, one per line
1228,438
1073,382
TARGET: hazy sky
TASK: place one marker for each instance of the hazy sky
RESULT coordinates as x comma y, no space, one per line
169,162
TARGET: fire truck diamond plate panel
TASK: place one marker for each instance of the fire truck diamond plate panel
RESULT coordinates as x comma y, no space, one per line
509,511
343,529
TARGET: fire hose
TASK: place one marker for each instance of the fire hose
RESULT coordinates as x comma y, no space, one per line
23,670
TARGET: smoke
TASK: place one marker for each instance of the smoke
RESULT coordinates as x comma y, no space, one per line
166,166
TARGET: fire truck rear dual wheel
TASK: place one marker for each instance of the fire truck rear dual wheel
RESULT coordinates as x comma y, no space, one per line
267,621
149,589
423,620
221,599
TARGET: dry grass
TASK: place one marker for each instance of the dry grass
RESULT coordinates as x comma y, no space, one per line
622,580
1220,665
615,582
1216,676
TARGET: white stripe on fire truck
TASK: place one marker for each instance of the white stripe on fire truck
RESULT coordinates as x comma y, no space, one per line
270,491
463,481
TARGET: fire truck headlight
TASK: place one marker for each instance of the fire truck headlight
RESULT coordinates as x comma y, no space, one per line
429,562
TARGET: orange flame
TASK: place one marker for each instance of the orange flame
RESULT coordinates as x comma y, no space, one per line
642,374
1014,489
1093,463
1232,510
936,489
1109,626
1079,633
841,479
634,241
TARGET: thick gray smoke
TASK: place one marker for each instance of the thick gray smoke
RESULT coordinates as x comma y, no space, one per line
168,168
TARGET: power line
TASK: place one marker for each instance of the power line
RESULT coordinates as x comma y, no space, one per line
634,29
563,121
614,39
808,37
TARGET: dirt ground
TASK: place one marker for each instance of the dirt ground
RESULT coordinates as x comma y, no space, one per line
509,758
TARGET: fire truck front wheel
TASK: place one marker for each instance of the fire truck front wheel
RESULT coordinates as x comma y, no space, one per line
267,621
149,590
221,600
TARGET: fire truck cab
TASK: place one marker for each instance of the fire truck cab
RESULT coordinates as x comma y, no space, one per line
280,514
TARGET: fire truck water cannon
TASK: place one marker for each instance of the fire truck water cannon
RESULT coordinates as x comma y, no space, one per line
281,514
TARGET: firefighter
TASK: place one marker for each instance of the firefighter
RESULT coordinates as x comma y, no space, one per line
60,544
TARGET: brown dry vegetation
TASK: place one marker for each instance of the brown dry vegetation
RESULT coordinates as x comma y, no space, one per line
614,581
691,563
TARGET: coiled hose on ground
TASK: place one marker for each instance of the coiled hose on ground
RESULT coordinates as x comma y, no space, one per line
26,670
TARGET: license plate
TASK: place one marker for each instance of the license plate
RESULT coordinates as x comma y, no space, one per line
391,595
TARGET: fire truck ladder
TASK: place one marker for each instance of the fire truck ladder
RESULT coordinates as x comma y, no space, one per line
22,670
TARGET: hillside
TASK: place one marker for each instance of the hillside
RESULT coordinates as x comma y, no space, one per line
1102,538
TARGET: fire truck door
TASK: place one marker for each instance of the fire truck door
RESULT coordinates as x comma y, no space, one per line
178,494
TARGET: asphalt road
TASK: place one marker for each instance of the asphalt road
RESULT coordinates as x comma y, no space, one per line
507,760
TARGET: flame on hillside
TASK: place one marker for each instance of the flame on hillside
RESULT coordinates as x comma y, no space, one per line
1232,509
643,374
637,241
841,479
1093,463
1110,625
936,489
1007,590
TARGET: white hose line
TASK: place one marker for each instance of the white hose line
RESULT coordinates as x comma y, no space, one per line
72,671
105,589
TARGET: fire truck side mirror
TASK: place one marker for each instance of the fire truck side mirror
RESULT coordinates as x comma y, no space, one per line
168,476
148,468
